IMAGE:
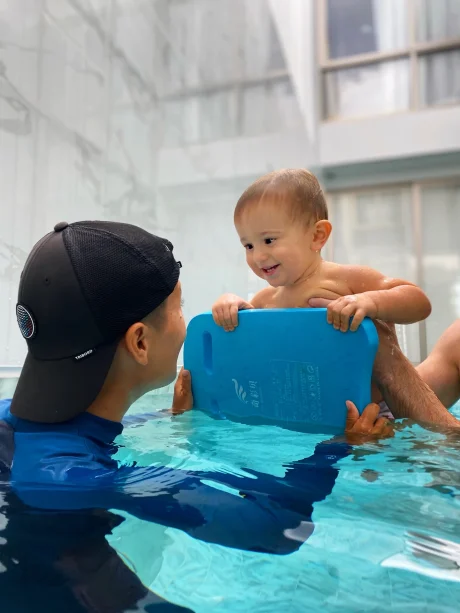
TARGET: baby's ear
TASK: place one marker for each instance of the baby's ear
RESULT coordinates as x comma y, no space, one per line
321,233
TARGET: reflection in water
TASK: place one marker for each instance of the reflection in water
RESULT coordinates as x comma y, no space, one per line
386,535
386,511
55,562
61,562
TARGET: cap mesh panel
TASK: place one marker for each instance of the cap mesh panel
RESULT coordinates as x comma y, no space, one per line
124,271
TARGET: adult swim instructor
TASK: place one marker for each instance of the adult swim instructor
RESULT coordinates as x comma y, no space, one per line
100,307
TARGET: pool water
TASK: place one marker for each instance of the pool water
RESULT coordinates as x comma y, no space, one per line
386,539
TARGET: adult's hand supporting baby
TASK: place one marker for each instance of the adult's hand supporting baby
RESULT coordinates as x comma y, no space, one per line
183,397
358,429
225,311
367,426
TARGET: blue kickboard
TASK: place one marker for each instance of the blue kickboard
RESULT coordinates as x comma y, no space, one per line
287,366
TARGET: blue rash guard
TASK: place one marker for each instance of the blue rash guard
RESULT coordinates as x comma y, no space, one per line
54,474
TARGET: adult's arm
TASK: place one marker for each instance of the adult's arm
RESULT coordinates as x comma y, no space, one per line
255,513
402,387
441,369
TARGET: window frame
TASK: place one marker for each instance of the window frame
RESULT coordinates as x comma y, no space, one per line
416,188
413,52
238,85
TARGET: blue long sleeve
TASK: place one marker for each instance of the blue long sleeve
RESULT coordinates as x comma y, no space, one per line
257,516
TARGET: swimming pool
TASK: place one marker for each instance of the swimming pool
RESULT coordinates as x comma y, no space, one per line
372,548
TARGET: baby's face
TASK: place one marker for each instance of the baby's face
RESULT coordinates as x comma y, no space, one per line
278,249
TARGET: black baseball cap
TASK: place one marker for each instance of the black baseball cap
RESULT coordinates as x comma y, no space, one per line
82,287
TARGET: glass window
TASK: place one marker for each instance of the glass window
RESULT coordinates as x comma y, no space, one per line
276,59
440,78
283,106
253,110
218,40
411,44
200,119
191,34
182,123
438,20
179,47
262,48
368,90
218,115
271,107
374,228
366,26
441,256
173,123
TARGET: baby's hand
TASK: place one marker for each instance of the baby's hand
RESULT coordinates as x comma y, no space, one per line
358,306
225,311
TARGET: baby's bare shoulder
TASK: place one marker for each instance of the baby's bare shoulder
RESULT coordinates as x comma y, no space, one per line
262,299
351,279
341,269
350,272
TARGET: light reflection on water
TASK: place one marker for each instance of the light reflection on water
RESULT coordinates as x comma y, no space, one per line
387,537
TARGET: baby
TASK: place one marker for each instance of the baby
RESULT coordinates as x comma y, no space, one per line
282,222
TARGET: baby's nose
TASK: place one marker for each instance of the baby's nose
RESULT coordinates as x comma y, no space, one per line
260,257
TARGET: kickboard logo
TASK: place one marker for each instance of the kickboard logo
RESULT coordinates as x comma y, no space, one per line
239,390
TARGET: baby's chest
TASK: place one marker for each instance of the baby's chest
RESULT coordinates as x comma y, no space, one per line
299,299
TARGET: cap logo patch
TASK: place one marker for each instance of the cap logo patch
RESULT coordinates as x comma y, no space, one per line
84,355
26,322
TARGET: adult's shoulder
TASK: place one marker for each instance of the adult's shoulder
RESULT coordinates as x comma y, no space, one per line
450,341
441,369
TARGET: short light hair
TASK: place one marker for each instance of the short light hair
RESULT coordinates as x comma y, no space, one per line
297,189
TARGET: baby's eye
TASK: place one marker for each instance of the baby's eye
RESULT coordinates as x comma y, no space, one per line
269,241
248,247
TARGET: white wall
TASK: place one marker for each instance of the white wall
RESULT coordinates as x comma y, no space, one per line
295,21
428,132
78,128
83,129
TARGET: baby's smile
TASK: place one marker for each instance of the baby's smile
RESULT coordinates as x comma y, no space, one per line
271,270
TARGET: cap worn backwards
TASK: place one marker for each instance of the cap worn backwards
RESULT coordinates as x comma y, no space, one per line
82,287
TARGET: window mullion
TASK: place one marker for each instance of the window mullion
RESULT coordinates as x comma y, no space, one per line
413,60
323,46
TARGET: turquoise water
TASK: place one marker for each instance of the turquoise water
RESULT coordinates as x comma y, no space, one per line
387,539
372,549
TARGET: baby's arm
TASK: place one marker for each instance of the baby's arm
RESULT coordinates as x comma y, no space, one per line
225,309
378,297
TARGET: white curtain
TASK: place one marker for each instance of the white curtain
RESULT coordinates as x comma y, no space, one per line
376,228
441,256
438,19
368,90
440,78
390,24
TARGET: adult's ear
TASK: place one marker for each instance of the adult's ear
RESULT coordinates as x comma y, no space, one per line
136,341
